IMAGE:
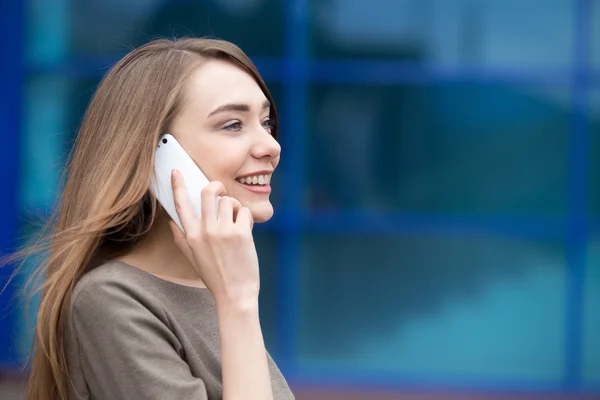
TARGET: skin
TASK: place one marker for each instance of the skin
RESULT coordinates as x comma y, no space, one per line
217,250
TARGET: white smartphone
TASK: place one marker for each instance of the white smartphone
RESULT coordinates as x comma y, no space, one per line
170,155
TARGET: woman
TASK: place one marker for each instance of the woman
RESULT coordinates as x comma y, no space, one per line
131,307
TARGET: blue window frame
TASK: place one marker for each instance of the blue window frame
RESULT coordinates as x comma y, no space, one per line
11,80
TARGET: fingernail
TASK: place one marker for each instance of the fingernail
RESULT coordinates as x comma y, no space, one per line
174,174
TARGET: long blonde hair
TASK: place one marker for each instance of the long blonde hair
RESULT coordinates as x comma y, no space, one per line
105,206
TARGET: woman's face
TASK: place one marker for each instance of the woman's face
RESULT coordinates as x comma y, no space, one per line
224,126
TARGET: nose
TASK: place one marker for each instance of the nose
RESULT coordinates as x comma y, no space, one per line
265,145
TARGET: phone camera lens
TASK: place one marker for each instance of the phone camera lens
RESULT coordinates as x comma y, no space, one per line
164,141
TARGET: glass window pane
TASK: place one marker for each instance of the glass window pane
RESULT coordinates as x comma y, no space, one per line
45,141
266,247
466,308
47,36
591,338
594,155
595,39
486,33
456,147
114,26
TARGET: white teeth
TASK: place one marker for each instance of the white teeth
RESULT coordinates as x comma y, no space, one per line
255,180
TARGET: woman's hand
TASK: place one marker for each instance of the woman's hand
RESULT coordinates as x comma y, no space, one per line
220,247
219,244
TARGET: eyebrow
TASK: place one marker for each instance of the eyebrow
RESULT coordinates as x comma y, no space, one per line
237,107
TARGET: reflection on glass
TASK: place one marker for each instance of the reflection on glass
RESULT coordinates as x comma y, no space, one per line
486,33
266,247
591,339
448,147
113,26
595,31
423,306
594,152
44,143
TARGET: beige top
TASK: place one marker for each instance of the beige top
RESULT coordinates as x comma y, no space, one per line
136,336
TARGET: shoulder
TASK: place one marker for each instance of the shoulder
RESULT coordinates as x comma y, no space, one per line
112,288
111,273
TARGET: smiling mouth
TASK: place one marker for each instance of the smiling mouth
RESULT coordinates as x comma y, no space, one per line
255,180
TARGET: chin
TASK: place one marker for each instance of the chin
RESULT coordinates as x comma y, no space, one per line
262,213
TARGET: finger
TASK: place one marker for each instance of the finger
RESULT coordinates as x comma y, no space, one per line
225,213
231,211
237,206
244,218
182,202
209,201
180,240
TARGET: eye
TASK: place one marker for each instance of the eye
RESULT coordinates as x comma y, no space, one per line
268,124
233,126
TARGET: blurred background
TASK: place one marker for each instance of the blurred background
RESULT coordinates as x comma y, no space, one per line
437,229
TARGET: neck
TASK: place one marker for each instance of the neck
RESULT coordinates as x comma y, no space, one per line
158,254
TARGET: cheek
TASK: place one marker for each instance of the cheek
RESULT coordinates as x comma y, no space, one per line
212,160
221,158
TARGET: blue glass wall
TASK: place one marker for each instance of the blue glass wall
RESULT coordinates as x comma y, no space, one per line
438,202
